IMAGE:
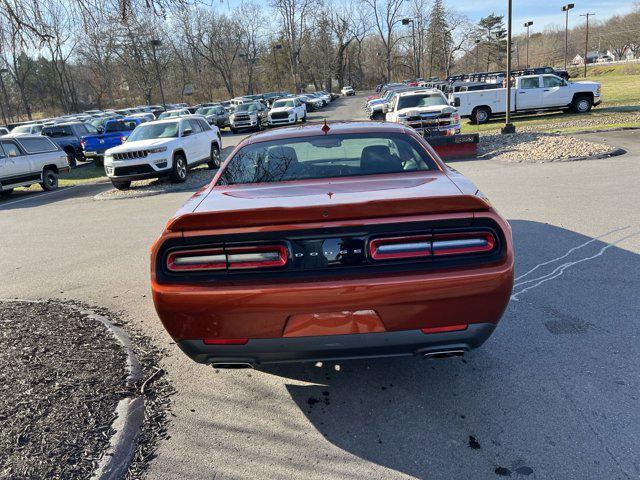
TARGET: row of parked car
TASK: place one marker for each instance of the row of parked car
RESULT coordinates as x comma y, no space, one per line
467,97
141,142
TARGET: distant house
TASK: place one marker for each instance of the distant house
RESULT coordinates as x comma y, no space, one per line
627,54
592,57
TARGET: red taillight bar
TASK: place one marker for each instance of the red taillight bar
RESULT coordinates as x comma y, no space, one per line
232,258
400,247
420,246
196,260
445,328
460,243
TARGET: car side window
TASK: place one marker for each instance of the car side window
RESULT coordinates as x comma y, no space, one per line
2,154
529,83
550,81
195,126
204,125
10,149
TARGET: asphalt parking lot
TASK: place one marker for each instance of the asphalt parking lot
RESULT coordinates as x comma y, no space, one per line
554,393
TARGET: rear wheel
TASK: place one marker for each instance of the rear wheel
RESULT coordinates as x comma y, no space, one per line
480,115
49,180
304,119
214,157
98,161
179,170
377,115
121,184
581,104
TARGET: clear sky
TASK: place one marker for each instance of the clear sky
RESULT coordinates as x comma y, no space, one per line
543,13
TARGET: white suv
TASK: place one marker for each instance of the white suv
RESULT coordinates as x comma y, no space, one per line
27,159
348,91
287,111
164,148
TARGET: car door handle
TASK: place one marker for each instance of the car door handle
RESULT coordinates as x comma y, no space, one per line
522,93
546,90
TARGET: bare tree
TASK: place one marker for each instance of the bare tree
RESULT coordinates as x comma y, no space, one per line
387,14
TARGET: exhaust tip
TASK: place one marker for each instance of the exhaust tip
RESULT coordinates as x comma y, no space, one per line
444,354
232,365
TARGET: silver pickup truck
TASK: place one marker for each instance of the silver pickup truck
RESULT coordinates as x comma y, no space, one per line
29,159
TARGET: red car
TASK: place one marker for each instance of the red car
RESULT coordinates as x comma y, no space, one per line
332,242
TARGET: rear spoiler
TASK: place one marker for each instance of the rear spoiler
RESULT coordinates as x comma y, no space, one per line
323,213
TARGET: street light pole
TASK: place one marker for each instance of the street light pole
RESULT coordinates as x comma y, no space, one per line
156,43
407,21
566,8
508,126
6,97
527,25
586,42
277,46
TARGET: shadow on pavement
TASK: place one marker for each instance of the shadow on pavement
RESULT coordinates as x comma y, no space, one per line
553,393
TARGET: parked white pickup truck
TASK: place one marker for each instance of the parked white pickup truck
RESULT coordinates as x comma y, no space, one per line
27,159
532,93
426,110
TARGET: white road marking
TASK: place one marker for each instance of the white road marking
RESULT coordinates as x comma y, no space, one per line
35,197
558,271
571,251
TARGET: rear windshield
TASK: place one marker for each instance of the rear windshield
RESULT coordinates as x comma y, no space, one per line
120,126
57,132
326,157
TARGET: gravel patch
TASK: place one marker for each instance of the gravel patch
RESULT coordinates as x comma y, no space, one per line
62,374
538,147
197,178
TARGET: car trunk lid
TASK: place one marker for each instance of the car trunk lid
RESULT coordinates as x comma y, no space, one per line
376,196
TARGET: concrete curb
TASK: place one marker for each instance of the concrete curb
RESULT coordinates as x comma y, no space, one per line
129,412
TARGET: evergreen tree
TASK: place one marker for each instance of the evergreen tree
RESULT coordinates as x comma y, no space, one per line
438,38
494,37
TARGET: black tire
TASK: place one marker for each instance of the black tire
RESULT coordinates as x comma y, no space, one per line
480,115
581,104
234,130
121,184
215,157
6,193
98,161
377,115
49,180
304,119
179,169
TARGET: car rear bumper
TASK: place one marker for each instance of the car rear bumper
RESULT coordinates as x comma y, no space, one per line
339,347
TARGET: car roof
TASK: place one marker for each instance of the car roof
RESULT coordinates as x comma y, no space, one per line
421,91
315,129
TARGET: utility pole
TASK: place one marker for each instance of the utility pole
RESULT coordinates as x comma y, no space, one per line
566,8
508,126
527,25
586,42
156,43
477,53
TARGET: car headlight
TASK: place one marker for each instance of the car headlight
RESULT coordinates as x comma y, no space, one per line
232,117
455,118
158,150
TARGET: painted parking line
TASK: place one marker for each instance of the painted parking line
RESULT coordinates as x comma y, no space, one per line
35,197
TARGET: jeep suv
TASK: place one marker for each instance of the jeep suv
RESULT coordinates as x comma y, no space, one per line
164,148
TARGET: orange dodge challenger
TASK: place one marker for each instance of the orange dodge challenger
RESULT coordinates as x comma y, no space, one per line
338,241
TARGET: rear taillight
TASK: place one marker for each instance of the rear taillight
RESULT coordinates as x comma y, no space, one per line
229,258
462,243
82,143
397,248
422,246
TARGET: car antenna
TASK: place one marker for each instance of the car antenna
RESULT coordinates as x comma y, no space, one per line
325,127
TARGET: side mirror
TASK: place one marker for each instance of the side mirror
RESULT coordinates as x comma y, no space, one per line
385,108
455,102
187,132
